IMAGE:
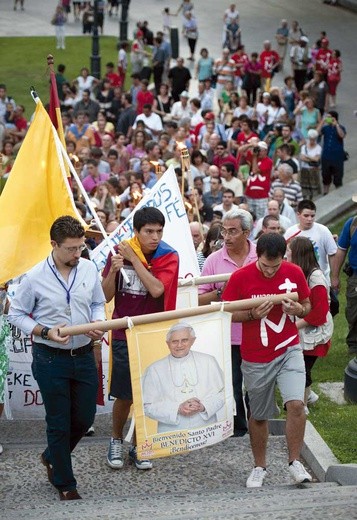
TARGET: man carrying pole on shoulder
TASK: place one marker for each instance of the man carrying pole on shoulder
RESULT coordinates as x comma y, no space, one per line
270,349
152,268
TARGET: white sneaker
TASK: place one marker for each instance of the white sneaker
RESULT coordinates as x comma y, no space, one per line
299,473
1,449
256,478
313,398
115,457
306,410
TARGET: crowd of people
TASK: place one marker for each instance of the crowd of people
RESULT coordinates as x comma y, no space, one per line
259,156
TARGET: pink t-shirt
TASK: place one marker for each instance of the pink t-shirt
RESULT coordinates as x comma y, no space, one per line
221,263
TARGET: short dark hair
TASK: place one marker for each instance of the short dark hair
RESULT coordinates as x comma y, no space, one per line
148,215
113,153
272,245
305,204
334,114
66,227
267,219
228,190
229,167
94,162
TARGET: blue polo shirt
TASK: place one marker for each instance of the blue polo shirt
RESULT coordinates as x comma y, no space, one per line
345,243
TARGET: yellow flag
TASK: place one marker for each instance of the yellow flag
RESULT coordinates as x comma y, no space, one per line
36,193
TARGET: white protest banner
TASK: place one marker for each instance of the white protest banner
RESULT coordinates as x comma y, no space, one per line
183,395
25,398
166,197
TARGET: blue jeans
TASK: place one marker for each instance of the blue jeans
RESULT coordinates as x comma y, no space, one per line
69,389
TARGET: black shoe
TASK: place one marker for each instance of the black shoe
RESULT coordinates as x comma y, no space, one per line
70,495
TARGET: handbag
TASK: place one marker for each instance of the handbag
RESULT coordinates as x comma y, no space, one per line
311,336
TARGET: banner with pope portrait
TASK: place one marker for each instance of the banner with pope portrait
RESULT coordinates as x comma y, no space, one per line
182,384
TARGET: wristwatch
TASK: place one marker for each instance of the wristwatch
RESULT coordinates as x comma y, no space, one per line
44,333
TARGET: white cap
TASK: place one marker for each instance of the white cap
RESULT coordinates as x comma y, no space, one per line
263,144
185,94
304,39
312,134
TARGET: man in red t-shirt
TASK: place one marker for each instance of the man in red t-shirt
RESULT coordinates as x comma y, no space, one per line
323,57
144,97
270,350
240,58
258,182
269,60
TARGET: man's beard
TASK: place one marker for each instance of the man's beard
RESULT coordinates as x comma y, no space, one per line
72,263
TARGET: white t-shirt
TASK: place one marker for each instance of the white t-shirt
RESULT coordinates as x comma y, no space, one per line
310,152
153,122
230,16
322,240
235,185
219,207
122,59
84,84
178,111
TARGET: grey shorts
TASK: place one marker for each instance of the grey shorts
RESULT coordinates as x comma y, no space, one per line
120,383
287,371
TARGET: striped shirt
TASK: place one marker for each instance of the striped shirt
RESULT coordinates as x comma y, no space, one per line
292,191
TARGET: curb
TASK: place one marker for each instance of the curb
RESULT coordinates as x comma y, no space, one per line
319,456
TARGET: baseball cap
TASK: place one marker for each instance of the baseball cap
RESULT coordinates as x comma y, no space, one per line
266,94
263,144
185,94
210,116
304,39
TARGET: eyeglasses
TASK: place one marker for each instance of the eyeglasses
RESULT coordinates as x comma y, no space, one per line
231,232
74,249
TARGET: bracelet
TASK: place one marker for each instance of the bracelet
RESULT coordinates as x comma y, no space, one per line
250,315
97,343
219,294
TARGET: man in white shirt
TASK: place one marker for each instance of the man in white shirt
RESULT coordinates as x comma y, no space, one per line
181,108
227,202
321,237
151,120
184,390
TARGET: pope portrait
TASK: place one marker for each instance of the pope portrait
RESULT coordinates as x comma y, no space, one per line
184,390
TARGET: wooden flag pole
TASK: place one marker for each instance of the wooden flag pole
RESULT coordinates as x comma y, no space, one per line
122,323
199,280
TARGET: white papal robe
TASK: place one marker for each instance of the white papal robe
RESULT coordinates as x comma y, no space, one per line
170,381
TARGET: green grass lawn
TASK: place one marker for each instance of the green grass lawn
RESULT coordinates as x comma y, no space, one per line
336,424
23,63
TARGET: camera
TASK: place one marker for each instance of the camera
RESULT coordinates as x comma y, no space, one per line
328,120
256,149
